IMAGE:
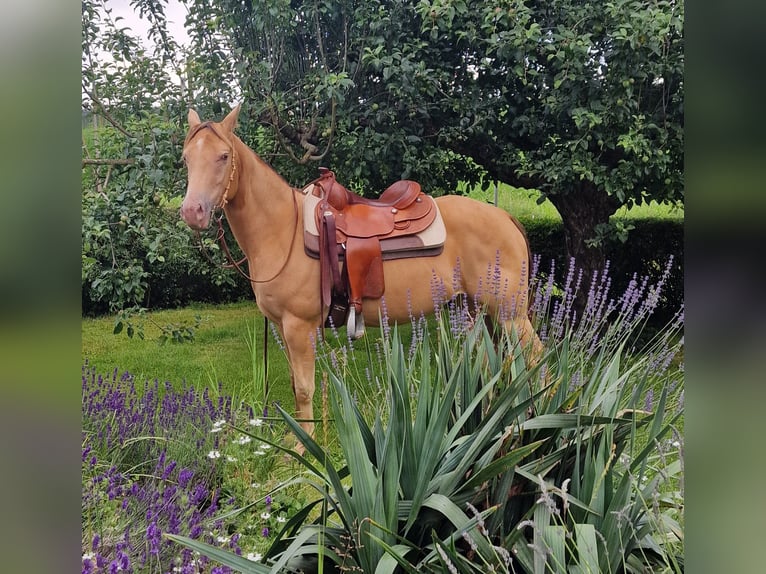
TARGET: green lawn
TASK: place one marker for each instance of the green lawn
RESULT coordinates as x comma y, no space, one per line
523,204
221,351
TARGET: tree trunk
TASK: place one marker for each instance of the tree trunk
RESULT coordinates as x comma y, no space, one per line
581,211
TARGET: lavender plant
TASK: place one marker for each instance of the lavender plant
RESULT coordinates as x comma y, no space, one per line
159,460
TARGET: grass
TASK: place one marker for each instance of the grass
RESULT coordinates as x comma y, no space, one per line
219,353
522,203
222,352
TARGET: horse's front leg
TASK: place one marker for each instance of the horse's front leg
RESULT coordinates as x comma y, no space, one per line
299,335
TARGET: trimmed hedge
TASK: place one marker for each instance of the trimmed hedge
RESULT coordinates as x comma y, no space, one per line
646,252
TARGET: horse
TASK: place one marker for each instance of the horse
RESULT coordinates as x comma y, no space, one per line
264,213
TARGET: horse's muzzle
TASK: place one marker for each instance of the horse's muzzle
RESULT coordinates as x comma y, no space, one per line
196,214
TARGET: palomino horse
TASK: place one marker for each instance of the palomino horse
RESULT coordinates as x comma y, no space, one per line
266,218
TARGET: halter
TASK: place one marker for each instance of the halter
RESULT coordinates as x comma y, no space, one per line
225,197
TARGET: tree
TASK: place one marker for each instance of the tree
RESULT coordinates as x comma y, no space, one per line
135,253
582,101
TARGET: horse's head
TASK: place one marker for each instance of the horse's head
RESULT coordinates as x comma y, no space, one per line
210,158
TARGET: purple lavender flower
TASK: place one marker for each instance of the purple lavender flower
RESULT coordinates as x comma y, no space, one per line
153,535
195,531
384,319
164,497
184,476
122,562
649,400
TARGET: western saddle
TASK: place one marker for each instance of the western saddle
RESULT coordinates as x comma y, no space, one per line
343,227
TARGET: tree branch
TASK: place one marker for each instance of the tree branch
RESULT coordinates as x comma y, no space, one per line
101,161
107,115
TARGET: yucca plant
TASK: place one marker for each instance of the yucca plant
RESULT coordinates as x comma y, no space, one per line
474,461
594,491
412,472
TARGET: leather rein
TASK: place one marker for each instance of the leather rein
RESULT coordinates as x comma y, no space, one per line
221,233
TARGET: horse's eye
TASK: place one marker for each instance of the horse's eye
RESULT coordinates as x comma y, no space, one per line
224,157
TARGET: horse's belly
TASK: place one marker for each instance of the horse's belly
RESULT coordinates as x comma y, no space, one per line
411,288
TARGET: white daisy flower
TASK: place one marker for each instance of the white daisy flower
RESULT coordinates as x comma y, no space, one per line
243,439
230,458
214,454
254,556
265,515
281,519
259,453
256,422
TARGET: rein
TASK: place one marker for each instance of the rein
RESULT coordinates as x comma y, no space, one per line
221,238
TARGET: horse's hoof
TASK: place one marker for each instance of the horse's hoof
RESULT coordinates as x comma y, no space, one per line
290,442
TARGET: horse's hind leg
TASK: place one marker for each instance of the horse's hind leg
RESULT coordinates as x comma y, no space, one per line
530,342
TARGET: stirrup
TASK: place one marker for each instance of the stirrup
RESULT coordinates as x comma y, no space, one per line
355,324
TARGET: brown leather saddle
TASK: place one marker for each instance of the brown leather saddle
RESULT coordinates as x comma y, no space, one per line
361,233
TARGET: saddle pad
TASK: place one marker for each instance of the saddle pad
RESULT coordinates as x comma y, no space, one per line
430,241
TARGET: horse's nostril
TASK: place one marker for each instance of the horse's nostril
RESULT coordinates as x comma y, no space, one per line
191,208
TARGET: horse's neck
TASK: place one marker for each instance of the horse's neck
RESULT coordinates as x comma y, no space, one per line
262,213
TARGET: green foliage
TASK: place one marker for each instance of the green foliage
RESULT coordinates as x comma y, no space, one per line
580,101
135,250
477,460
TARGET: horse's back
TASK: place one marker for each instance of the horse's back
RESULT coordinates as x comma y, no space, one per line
481,226
483,242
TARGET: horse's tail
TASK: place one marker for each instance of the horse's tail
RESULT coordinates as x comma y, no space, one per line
523,231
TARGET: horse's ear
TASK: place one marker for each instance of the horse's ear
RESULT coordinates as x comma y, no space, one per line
193,118
230,121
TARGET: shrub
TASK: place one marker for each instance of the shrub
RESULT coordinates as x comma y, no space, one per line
647,249
135,250
478,460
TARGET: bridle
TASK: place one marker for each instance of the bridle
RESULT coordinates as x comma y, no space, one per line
221,234
233,153
225,196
